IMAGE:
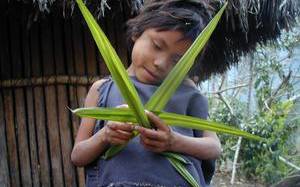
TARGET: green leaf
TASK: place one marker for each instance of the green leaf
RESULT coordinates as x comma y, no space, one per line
183,172
175,156
115,66
172,119
162,95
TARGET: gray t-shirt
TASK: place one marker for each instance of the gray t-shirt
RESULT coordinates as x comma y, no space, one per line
136,166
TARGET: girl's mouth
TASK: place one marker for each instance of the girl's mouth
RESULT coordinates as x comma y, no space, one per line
155,77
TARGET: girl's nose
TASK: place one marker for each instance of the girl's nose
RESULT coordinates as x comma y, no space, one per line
160,63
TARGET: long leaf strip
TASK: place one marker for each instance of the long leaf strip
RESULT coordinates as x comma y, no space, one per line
115,66
162,95
125,115
183,172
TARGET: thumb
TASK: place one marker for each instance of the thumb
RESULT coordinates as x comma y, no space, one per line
156,121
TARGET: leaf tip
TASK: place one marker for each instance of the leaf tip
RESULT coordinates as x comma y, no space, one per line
73,111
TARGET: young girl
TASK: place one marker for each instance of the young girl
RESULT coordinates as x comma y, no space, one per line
160,35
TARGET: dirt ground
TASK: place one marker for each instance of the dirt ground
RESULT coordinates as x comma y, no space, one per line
223,180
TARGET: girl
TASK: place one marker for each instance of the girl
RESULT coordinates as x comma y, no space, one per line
159,35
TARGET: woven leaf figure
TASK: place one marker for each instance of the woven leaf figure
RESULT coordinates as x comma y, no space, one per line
135,113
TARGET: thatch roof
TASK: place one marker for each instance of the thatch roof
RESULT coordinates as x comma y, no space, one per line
245,24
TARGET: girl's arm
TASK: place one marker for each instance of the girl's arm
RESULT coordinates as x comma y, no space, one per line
88,146
164,139
206,147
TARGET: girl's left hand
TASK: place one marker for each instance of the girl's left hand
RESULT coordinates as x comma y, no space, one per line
157,140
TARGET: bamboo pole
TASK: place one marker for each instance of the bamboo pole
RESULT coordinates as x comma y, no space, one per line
51,106
28,91
64,122
79,69
39,109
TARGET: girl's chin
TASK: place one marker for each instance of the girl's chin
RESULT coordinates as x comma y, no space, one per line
148,80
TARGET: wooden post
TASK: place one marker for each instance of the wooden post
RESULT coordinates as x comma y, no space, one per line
4,161
72,89
51,107
9,110
39,108
81,91
4,171
33,150
62,103
90,52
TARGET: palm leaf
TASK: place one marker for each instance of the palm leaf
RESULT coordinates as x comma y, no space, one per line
115,66
172,119
184,172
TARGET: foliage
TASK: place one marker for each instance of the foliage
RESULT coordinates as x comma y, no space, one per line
274,115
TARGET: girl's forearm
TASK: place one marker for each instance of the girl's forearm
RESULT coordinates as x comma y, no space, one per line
201,148
86,151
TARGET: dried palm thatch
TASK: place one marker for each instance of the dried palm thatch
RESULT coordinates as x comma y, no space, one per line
245,24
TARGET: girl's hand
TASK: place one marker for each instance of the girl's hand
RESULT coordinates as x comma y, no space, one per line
117,133
157,140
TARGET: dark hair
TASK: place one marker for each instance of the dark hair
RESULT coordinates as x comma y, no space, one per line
187,16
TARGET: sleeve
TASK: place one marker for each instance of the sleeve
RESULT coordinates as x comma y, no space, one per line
103,91
198,107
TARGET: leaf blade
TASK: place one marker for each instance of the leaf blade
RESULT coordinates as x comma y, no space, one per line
172,119
115,66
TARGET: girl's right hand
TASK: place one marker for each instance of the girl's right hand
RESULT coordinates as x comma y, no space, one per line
117,133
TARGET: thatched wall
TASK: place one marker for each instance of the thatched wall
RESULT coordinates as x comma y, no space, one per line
245,24
43,69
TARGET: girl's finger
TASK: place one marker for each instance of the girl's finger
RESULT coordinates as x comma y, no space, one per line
124,133
123,138
151,148
157,122
118,133
152,143
150,133
121,126
117,141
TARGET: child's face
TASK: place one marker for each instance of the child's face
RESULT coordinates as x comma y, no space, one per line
155,53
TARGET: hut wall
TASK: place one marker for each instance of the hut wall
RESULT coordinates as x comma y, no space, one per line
46,66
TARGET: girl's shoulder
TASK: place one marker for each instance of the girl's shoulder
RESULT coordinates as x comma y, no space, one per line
94,94
189,82
99,83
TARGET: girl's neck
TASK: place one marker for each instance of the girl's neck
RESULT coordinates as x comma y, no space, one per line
130,71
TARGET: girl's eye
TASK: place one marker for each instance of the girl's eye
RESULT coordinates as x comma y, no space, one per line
156,46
